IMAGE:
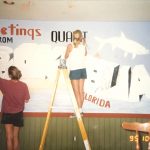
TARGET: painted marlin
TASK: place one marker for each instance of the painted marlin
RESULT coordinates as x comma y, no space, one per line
125,44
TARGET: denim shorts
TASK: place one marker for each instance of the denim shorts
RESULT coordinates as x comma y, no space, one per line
13,118
78,74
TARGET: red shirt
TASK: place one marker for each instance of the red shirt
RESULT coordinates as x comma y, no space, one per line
14,95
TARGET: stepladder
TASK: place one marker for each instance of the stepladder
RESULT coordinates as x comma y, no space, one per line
62,70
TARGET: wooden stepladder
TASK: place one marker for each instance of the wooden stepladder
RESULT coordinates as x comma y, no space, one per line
63,69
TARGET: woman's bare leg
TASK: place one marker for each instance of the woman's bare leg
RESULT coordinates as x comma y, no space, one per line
16,138
81,91
9,136
75,86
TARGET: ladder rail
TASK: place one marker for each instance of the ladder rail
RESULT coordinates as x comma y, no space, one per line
45,130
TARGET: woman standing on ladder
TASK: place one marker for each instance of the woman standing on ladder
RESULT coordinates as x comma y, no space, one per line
76,53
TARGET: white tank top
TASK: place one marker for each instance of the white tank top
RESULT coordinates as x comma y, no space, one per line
77,57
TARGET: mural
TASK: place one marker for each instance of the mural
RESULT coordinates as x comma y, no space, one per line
117,63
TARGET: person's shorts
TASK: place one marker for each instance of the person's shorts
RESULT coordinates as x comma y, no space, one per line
13,118
78,74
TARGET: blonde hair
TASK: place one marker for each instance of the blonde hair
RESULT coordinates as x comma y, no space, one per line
76,42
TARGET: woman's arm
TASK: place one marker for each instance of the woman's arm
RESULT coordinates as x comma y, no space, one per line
85,51
1,83
68,50
84,43
27,94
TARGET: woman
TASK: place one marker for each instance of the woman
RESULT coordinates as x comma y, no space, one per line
15,94
76,52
